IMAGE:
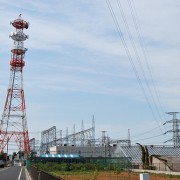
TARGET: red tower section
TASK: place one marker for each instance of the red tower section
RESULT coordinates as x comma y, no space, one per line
13,127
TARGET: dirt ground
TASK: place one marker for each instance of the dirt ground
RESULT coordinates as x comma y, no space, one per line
113,176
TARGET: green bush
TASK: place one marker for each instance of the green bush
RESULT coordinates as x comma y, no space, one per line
50,167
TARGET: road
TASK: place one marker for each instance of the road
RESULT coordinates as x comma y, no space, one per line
13,173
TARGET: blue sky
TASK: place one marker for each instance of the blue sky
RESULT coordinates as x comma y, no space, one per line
77,67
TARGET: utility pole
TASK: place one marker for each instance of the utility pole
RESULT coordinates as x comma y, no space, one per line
175,130
104,142
103,137
67,139
93,131
82,133
129,138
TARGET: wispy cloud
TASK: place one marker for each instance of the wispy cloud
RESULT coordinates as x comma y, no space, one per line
74,48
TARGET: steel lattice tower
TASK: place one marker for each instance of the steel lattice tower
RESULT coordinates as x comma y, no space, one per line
175,130
13,129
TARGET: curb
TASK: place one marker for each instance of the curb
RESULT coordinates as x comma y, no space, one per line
28,177
157,172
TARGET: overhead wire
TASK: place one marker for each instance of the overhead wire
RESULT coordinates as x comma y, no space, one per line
137,56
148,138
35,132
144,51
146,132
130,58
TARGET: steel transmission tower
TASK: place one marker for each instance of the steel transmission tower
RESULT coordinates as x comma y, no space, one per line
175,130
13,127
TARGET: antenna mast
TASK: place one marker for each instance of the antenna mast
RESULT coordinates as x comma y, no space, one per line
13,127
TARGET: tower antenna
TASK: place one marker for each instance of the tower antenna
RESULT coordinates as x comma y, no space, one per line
13,127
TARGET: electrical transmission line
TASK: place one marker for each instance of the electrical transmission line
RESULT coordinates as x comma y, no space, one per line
144,51
131,59
137,55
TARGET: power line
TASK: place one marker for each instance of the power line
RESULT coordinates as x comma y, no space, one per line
141,42
146,132
148,138
137,55
130,57
35,132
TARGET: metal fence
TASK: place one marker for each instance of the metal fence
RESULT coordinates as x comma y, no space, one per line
101,160
41,175
116,162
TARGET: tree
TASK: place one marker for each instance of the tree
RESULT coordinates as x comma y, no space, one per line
145,156
14,155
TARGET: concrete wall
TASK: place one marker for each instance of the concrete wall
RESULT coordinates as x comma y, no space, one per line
160,164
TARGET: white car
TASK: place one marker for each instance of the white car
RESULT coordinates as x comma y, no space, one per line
17,163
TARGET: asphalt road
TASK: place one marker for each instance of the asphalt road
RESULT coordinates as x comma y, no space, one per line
12,173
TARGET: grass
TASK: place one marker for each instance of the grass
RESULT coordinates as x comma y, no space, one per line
85,175
91,171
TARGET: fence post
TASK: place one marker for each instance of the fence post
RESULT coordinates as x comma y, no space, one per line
39,175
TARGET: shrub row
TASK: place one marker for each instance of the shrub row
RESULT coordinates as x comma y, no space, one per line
49,167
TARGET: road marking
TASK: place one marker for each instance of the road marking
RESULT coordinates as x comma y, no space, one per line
20,174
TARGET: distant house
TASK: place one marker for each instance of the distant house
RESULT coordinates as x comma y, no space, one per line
162,157
166,163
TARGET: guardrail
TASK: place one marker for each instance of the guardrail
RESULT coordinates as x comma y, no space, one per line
41,175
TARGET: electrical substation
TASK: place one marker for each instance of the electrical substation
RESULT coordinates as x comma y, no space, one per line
53,146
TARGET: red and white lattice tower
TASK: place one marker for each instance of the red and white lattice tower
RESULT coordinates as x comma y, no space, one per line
13,129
